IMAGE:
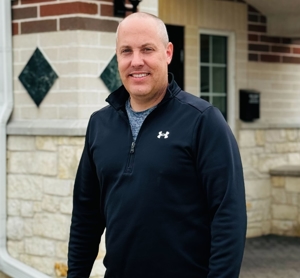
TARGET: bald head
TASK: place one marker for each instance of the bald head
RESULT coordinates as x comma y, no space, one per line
143,54
157,23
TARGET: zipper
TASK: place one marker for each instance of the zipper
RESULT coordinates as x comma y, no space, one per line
130,160
129,166
132,147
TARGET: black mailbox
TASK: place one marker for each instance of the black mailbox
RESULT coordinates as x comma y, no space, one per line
249,105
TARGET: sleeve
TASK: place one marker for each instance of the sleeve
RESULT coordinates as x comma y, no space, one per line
87,223
221,175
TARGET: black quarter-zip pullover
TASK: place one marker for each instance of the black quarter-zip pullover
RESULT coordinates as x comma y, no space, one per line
172,203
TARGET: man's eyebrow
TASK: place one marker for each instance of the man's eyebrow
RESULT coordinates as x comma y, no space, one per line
147,44
125,46
143,45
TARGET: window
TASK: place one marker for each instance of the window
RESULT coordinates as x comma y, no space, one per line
213,70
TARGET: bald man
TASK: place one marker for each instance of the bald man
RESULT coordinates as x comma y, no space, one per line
160,171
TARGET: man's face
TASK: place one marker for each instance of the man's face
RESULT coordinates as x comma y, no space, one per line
143,58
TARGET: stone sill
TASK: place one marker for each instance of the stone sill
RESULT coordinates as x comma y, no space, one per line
48,127
262,125
286,170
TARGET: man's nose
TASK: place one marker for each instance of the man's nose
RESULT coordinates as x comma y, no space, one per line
137,59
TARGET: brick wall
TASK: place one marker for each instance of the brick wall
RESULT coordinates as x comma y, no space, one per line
264,48
35,16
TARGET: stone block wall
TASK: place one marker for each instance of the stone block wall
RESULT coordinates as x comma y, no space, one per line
262,150
41,172
285,209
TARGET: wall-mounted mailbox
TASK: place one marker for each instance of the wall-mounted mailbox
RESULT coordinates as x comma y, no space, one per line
249,105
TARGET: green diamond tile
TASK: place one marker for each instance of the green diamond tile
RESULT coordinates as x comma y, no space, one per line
110,76
37,77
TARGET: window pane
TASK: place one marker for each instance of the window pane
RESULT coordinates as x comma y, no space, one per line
219,80
204,79
219,48
220,102
204,51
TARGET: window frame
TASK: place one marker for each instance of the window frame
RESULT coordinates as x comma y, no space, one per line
230,71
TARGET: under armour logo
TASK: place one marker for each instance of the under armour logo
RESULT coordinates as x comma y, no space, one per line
165,135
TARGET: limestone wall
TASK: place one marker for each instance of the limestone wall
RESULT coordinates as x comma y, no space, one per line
41,171
261,151
285,209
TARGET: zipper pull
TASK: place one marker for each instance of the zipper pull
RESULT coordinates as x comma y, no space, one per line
132,147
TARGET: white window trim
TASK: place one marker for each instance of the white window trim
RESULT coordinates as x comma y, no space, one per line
230,72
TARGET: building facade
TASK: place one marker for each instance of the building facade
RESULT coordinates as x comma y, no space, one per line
62,60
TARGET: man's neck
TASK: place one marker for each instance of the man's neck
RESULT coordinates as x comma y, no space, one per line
142,104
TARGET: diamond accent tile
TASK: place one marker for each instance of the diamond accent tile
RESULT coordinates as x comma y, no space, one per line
110,76
37,77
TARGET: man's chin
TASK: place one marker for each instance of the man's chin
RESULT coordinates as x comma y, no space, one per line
137,92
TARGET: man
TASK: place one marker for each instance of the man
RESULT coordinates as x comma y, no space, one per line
160,170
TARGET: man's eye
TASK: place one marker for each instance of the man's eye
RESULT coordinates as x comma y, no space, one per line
125,50
148,49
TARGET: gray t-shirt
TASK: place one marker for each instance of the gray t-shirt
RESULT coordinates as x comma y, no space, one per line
136,119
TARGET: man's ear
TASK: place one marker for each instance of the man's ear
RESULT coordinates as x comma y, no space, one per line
169,52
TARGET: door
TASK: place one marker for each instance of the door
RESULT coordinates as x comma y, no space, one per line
176,36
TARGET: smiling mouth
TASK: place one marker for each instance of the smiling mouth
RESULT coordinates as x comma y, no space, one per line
139,75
